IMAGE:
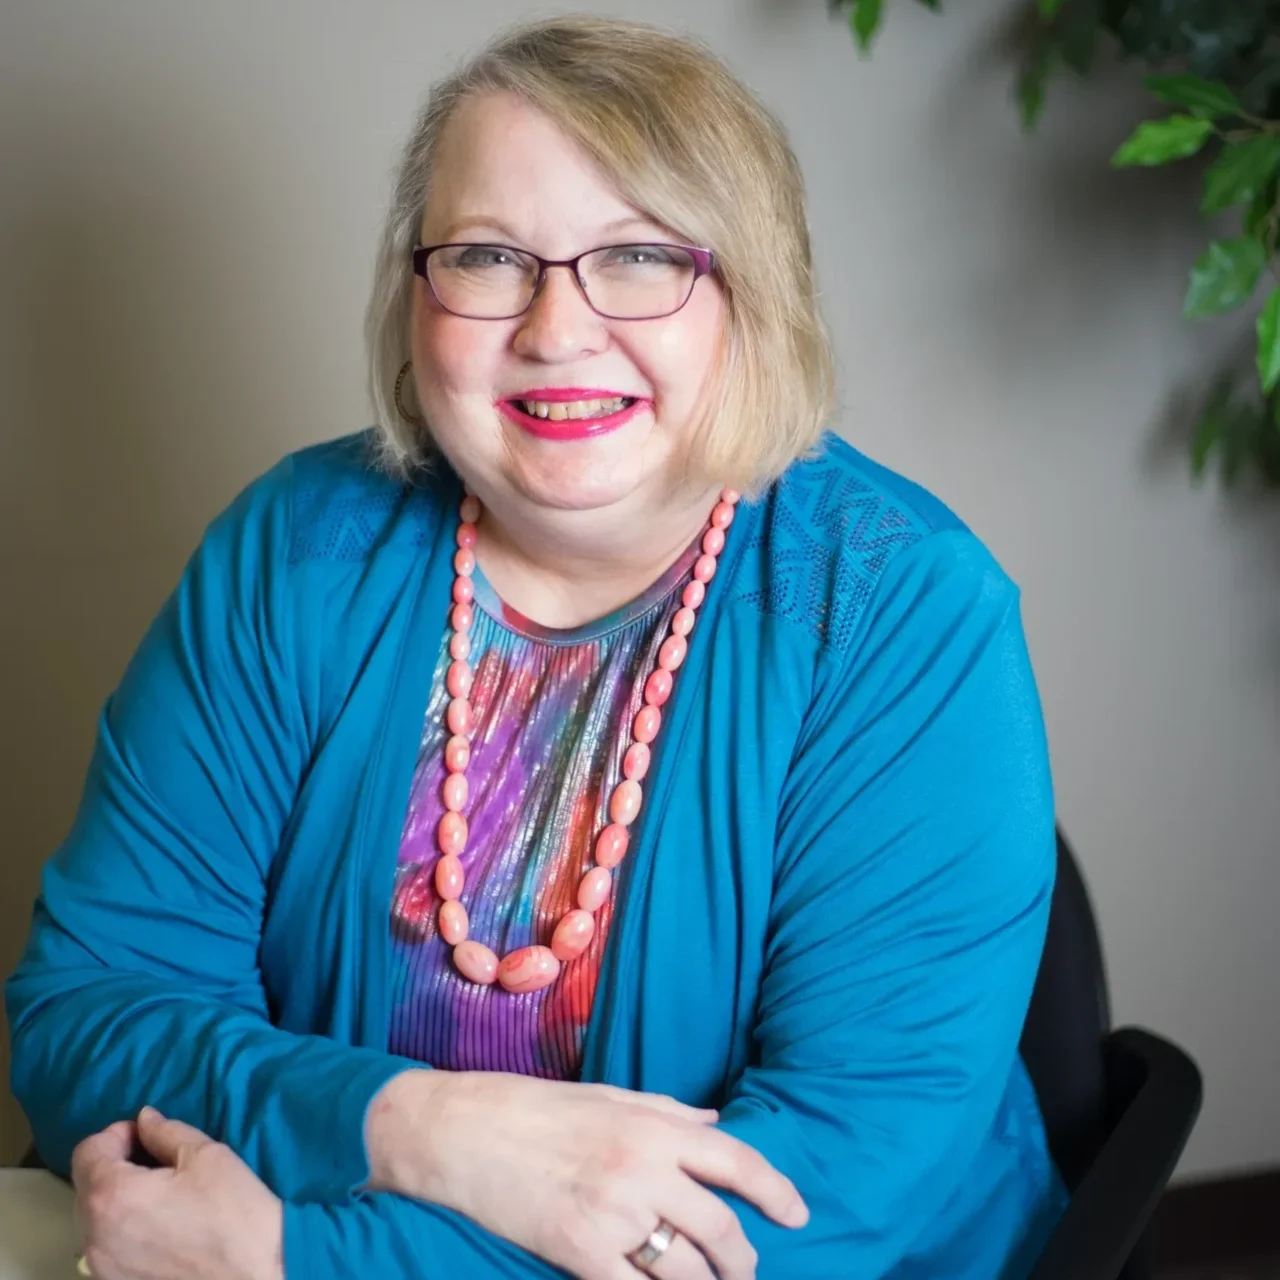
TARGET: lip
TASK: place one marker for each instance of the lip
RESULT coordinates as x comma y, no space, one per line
569,428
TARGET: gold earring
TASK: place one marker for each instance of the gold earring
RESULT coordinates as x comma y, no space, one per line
412,419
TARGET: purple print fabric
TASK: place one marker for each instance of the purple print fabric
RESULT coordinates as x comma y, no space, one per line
553,712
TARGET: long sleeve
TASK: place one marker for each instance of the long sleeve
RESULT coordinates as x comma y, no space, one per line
140,981
394,1238
913,878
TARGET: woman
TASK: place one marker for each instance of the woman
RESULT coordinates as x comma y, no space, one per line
513,852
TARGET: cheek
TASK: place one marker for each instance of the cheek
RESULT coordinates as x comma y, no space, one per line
681,356
455,355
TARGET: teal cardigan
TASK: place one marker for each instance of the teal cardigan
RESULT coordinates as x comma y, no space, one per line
829,922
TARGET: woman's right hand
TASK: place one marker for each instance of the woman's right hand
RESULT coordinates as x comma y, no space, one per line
578,1174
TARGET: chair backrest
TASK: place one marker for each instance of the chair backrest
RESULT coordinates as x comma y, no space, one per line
1066,1027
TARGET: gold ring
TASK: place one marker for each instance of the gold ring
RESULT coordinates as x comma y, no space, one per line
654,1247
82,1265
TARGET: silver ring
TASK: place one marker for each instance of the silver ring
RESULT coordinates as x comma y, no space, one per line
655,1246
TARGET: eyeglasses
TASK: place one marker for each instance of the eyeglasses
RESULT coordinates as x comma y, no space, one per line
619,282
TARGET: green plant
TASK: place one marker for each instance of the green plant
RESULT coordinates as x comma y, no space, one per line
1217,64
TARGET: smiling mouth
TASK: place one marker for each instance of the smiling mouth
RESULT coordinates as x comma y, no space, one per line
575,410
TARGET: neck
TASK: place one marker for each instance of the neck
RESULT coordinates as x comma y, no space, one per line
571,570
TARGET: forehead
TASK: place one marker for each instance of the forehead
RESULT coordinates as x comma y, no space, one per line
502,161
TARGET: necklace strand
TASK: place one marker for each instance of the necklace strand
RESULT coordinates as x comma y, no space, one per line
534,967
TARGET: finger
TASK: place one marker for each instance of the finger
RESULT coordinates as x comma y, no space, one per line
682,1261
168,1140
718,1158
712,1228
102,1150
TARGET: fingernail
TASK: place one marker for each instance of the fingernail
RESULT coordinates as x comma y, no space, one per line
148,1113
798,1214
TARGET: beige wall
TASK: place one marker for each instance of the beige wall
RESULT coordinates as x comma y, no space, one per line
189,195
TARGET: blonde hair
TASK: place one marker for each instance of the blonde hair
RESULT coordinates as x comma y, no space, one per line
687,143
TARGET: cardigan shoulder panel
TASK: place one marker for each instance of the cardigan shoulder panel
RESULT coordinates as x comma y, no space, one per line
345,507
826,532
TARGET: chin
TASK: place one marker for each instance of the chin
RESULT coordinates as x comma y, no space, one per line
583,475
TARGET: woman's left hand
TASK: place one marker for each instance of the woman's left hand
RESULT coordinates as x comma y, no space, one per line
203,1215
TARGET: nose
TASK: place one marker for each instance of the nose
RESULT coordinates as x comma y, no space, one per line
560,324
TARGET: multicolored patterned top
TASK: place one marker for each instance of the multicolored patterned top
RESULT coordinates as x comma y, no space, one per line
553,711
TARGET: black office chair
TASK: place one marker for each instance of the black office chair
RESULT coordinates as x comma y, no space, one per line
1118,1105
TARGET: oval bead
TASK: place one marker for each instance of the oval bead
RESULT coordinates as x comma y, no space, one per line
647,723
459,646
595,888
635,764
611,845
683,621
464,561
457,754
450,878
470,509
657,689
529,969
705,569
461,618
455,792
573,935
731,496
624,804
453,922
458,717
713,541
722,515
476,962
464,591
694,594
458,680
451,834
466,534
672,653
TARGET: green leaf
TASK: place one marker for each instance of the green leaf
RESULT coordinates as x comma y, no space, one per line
1224,276
1258,215
1048,8
1269,343
1240,172
1160,141
864,21
1205,98
1031,83
1079,45
1208,432
1241,431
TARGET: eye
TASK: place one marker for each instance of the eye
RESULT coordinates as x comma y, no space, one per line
641,255
483,255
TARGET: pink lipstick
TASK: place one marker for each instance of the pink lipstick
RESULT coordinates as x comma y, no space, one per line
570,428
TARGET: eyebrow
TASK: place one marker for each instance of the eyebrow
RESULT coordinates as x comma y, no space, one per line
456,228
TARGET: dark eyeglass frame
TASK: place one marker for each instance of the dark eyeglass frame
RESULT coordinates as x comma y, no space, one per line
704,263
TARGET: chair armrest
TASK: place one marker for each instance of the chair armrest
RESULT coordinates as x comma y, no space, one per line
1158,1092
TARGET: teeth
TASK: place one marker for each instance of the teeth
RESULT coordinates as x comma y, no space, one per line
559,410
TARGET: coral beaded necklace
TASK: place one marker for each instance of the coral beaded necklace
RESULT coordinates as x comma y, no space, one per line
534,967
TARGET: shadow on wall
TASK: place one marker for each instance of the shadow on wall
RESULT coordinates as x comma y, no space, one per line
114,449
